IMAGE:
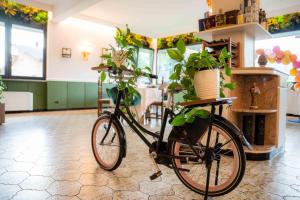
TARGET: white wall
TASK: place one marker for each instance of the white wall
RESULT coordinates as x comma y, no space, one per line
76,34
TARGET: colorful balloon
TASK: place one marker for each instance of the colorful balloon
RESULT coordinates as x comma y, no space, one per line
297,79
276,49
293,72
293,58
268,52
271,60
297,85
287,53
296,64
280,54
286,60
260,51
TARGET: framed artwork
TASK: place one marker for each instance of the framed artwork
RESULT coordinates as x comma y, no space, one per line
66,52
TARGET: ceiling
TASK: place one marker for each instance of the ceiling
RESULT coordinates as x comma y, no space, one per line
151,18
154,18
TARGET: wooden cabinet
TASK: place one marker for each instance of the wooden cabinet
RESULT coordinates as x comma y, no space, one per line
271,105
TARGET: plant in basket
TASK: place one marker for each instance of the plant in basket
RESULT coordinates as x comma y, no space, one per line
200,77
121,58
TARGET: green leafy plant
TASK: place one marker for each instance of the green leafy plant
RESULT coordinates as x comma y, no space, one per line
23,13
2,88
183,77
123,57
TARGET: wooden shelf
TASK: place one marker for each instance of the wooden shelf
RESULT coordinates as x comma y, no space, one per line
254,29
258,71
261,111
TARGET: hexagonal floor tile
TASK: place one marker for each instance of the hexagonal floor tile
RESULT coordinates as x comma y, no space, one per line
127,195
156,188
128,184
94,192
93,179
69,188
13,177
8,191
20,167
31,194
36,183
58,197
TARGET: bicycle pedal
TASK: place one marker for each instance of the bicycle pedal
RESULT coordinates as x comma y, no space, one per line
155,175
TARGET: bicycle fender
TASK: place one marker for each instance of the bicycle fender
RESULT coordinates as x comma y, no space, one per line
123,135
235,129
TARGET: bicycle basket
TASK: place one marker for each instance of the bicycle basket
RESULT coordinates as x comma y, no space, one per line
190,131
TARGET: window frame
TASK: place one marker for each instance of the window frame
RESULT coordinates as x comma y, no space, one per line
8,23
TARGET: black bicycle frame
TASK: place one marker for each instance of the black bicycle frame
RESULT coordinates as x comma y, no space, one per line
138,129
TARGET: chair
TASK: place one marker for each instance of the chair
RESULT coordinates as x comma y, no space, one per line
101,100
157,104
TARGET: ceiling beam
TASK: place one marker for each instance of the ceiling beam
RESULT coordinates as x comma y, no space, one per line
69,8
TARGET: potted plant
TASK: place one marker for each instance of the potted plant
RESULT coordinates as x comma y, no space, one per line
2,106
200,77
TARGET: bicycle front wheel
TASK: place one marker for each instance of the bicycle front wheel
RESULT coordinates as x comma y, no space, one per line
228,161
106,144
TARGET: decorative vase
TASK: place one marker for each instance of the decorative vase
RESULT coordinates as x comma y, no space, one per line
2,113
262,60
207,84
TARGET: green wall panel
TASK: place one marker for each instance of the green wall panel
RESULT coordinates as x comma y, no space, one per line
57,93
38,90
91,95
76,95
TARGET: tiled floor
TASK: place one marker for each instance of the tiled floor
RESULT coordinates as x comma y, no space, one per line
48,156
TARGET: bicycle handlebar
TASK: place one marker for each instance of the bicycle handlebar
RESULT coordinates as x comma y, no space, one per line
123,71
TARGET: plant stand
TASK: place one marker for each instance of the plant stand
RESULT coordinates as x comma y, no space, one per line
2,113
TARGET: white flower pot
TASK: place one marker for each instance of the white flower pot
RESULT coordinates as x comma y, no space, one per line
207,84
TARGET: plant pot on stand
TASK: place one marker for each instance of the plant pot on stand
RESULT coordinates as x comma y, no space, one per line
2,113
207,84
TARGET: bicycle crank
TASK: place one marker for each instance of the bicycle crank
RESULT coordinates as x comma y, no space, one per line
158,173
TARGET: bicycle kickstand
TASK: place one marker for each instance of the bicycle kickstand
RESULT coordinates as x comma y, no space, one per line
158,171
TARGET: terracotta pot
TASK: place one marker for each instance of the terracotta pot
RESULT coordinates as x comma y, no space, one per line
2,113
207,84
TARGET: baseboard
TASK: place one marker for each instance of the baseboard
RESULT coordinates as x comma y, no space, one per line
52,110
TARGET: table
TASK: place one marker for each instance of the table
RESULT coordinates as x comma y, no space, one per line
148,96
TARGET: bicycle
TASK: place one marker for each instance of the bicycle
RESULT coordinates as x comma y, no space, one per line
207,155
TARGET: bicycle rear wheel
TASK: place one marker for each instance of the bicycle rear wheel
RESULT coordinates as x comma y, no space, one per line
107,146
228,162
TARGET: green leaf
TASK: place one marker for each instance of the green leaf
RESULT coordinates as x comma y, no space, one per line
102,76
173,86
181,46
227,70
202,113
148,69
175,54
230,86
179,120
173,77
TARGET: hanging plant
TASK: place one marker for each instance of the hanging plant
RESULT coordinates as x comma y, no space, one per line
23,13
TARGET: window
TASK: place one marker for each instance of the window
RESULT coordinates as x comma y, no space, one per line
145,59
165,64
22,52
2,48
27,46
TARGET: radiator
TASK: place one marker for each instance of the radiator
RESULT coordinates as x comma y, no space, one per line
18,101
